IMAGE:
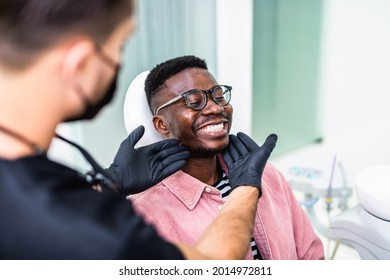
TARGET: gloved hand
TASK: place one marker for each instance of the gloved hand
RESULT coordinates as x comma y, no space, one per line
138,169
246,160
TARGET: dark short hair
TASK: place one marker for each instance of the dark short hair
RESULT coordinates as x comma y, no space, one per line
163,71
28,27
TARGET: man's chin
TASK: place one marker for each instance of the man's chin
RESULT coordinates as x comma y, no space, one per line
205,153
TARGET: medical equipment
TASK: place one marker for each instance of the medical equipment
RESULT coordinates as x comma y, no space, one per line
323,178
366,227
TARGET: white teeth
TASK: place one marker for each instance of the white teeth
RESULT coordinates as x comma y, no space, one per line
212,128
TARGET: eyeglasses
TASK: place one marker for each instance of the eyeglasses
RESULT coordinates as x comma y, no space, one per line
196,99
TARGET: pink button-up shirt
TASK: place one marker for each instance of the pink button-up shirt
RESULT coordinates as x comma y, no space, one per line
182,207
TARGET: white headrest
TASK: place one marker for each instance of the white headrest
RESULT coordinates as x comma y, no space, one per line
136,111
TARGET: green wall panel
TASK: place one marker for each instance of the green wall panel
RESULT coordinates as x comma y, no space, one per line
286,55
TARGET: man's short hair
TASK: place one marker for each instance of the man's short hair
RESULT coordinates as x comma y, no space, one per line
160,73
28,27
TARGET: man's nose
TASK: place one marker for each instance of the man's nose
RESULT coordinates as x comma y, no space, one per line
212,107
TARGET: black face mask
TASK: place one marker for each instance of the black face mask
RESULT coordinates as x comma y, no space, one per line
91,110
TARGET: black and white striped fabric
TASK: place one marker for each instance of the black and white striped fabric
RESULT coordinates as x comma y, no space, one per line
223,186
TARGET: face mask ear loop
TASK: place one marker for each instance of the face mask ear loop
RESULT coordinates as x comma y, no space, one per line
105,57
83,97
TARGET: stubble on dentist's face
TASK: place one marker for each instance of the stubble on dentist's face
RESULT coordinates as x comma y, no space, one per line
205,132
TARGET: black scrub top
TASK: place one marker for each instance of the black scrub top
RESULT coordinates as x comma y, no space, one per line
49,211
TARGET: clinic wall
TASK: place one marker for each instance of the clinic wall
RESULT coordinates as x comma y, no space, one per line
286,48
355,85
269,52
234,25
353,72
356,61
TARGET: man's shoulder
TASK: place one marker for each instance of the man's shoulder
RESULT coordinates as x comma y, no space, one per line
271,171
273,178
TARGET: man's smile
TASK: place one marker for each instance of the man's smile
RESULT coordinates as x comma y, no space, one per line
214,129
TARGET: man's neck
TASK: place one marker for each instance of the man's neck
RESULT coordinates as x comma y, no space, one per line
205,170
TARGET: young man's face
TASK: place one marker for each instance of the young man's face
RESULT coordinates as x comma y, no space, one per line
205,132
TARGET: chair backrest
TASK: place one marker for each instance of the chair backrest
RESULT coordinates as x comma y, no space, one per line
136,111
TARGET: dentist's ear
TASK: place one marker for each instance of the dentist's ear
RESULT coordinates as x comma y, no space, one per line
78,73
75,62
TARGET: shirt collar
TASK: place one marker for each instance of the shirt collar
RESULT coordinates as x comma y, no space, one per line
188,189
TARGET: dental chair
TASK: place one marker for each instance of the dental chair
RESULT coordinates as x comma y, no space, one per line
136,111
366,227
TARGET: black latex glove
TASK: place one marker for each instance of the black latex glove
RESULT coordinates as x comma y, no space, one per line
246,160
138,169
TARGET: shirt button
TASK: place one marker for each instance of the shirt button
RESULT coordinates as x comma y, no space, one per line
208,190
220,207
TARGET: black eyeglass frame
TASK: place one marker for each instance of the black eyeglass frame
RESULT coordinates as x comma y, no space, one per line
205,93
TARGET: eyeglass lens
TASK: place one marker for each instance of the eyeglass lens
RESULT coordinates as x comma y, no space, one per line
197,99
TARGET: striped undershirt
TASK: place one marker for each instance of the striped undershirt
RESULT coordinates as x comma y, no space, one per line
223,186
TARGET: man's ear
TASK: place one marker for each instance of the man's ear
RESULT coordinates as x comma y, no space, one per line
160,125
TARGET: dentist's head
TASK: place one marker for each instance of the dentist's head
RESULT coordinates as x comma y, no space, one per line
59,61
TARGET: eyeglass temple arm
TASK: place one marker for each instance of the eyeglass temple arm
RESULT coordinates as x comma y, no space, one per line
167,103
